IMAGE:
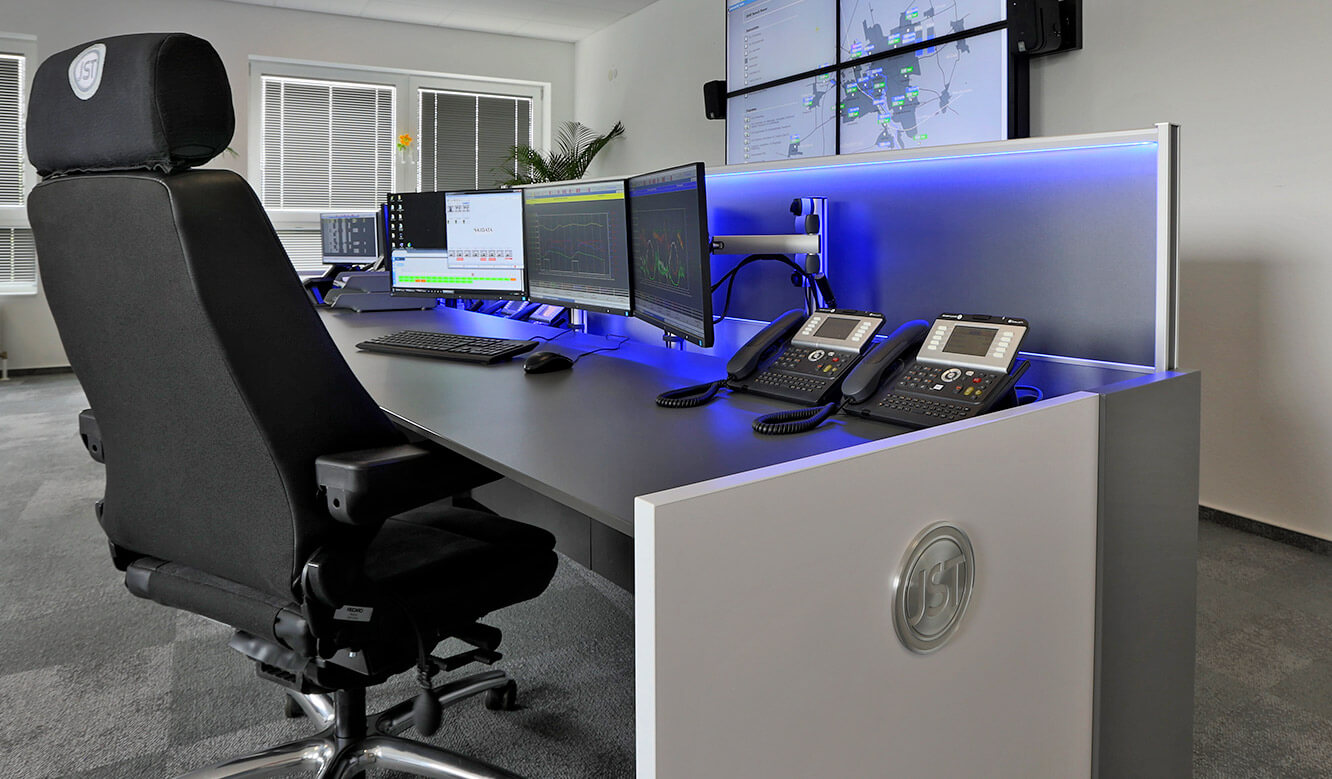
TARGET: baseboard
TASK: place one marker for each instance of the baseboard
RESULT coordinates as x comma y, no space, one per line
1291,537
16,372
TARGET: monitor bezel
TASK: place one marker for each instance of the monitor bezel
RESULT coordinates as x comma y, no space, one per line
704,243
381,237
472,293
628,250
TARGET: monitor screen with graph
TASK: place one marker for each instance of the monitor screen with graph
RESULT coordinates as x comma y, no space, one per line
577,245
668,223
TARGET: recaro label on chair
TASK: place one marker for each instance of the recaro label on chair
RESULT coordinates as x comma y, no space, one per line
85,72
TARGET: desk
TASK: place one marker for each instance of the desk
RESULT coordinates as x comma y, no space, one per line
590,438
764,567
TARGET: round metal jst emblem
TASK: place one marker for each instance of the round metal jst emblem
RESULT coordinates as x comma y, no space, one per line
933,587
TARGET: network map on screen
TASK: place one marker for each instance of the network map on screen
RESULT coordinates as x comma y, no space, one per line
953,93
878,83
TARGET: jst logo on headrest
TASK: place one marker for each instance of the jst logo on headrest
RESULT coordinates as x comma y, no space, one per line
85,72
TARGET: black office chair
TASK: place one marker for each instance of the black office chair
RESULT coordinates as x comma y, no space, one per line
250,478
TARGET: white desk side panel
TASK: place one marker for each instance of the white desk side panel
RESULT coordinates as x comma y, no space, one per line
764,629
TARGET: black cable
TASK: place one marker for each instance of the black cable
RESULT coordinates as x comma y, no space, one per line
729,278
550,338
617,345
757,258
691,396
798,420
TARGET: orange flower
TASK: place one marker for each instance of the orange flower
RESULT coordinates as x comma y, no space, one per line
404,140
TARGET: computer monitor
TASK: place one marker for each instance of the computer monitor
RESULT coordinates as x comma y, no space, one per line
671,269
351,238
477,254
415,220
578,245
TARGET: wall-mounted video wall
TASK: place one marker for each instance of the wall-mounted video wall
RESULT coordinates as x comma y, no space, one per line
808,78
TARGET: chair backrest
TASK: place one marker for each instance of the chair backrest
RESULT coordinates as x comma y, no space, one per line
214,383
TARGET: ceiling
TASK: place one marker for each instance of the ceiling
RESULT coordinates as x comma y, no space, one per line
558,20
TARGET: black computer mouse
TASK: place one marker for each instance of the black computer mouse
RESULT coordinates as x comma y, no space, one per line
546,362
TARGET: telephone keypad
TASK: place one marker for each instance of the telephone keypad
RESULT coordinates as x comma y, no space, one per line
940,410
802,373
815,362
969,386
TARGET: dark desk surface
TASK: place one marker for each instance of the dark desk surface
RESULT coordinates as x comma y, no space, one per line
590,437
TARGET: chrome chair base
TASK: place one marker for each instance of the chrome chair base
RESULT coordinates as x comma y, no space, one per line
370,743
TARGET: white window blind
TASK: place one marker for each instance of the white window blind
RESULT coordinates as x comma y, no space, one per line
466,138
305,249
326,144
18,261
11,130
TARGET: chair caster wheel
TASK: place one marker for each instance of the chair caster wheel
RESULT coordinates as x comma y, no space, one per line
291,708
503,698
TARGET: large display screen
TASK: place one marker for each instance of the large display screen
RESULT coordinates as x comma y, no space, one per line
577,245
484,258
790,121
672,279
870,27
771,39
953,93
882,82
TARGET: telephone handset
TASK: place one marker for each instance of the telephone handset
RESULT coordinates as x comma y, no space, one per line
774,334
865,379
859,384
964,367
803,360
798,358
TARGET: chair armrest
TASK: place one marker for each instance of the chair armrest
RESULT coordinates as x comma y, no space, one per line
91,434
367,486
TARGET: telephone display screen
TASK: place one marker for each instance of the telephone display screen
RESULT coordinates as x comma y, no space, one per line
837,328
970,340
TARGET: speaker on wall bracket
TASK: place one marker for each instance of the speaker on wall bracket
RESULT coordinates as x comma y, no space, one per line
714,99
1040,27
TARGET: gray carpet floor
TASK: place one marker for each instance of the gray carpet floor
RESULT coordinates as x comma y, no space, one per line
97,683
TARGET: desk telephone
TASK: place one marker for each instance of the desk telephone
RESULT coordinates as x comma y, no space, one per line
922,375
798,358
964,366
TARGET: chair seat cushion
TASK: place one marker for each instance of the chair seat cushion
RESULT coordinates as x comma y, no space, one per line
443,566
448,565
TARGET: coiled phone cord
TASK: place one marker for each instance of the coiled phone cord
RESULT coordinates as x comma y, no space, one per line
796,420
689,397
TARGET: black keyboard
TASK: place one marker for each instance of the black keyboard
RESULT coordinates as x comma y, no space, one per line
448,346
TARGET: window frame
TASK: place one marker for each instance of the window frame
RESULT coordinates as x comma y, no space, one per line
539,126
15,216
406,119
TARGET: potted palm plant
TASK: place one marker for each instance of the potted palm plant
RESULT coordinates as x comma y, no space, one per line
575,146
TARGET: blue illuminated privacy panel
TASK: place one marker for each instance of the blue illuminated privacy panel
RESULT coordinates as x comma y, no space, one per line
1066,238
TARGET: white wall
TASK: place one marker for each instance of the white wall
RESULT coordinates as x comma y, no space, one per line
648,71
238,31
1256,196
1245,84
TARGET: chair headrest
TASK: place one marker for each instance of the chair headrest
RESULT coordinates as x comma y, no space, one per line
157,101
